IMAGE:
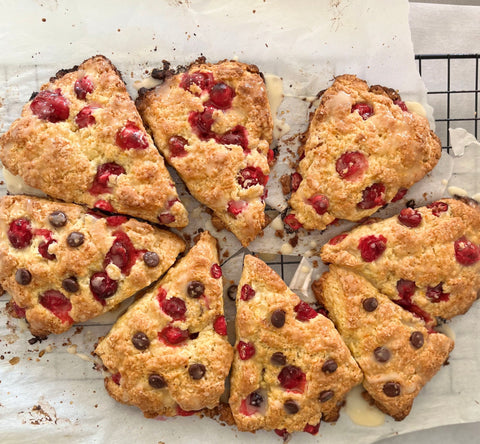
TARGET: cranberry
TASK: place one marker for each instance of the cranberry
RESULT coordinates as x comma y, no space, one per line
247,293
372,247
15,310
436,294
204,80
438,207
466,252
216,271
175,308
401,104
116,378
292,222
270,157
131,137
251,404
102,286
201,123
406,289
351,165
166,218
221,96
181,412
319,203
85,117
173,335
82,87
292,378
337,239
283,433
122,253
251,176
373,196
410,218
312,429
364,109
400,193
104,205
296,179
101,179
43,246
20,233
245,350
235,207
304,311
115,221
57,303
236,136
220,325
51,106
176,144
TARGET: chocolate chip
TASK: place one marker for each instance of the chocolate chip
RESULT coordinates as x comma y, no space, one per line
75,239
291,407
278,358
391,389
140,341
278,318
23,276
416,339
57,219
195,289
194,335
232,292
197,371
370,304
382,354
70,284
329,366
255,399
325,396
151,259
156,381
410,203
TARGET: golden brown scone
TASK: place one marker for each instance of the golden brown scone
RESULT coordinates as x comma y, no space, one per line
169,353
396,352
63,265
291,368
427,260
213,125
82,140
362,150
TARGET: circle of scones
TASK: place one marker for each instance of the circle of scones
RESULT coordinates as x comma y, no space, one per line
51,275
363,149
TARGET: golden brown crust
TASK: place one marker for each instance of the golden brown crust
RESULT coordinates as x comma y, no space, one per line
398,146
172,362
80,262
211,169
305,344
380,340
61,159
425,255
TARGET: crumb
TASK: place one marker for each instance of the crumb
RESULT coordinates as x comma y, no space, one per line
286,182
14,360
293,241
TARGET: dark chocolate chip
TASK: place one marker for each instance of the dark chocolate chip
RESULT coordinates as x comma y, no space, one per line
325,396
416,339
232,292
410,203
23,276
382,354
255,399
370,304
140,341
278,358
156,381
57,218
195,289
329,366
278,318
194,335
70,284
391,389
151,259
197,371
75,239
291,407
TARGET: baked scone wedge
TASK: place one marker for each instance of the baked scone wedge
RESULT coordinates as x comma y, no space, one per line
214,126
81,140
363,149
396,352
291,367
169,353
426,259
62,264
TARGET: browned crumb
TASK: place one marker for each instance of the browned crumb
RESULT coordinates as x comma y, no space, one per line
293,241
286,182
14,360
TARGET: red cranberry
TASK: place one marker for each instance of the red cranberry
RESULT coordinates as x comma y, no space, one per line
372,247
104,171
201,123
104,205
102,286
181,412
319,203
82,87
247,293
166,218
296,179
410,218
406,289
245,350
436,294
116,378
270,157
20,233
173,335
466,252
58,304
51,106
235,207
373,196
351,165
131,137
85,117
292,378
251,176
175,308
204,80
236,136
292,222
304,311
220,326
337,239
216,271
122,253
176,144
401,104
15,310
312,429
43,246
400,193
283,433
115,221
221,96
437,208
364,109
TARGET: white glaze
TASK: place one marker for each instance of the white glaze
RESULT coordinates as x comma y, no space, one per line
417,108
360,411
286,249
275,95
16,185
457,191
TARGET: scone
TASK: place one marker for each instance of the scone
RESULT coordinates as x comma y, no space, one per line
81,139
396,352
362,150
213,125
427,259
63,265
291,368
169,354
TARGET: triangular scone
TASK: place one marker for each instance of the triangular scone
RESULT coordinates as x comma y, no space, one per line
291,368
427,259
63,265
82,140
213,125
394,349
363,149
169,353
